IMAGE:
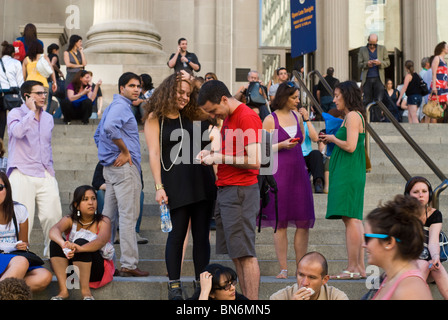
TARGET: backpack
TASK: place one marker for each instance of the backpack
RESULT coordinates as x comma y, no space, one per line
266,182
19,50
254,95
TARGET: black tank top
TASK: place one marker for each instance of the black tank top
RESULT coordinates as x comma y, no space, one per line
186,182
414,85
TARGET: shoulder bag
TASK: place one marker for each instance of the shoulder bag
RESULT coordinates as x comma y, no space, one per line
12,98
433,109
43,67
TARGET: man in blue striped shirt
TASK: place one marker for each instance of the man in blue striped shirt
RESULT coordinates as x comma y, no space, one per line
118,143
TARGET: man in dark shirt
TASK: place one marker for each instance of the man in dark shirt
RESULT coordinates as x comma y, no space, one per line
325,98
184,60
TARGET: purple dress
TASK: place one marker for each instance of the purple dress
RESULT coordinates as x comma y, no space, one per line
295,196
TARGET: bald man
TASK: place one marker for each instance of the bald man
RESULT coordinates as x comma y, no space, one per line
312,278
373,59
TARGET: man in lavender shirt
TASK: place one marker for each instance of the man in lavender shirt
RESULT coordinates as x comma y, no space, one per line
30,160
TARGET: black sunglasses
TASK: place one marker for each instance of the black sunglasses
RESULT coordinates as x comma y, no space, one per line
372,45
2,187
228,285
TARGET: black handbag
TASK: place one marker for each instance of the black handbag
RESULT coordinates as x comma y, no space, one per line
423,87
11,99
33,259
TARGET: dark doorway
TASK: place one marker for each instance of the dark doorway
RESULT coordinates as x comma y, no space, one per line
393,72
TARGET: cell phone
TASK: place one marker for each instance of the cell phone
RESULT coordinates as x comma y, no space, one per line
295,140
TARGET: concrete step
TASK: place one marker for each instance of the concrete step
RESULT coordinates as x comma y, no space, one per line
155,288
75,157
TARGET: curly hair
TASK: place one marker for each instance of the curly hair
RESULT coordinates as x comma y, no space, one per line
14,289
164,100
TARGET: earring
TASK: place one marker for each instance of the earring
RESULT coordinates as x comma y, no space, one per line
78,213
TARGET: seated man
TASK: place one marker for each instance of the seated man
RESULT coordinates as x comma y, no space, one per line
312,278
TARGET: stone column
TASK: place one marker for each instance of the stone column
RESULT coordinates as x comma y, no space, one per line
335,45
123,27
419,30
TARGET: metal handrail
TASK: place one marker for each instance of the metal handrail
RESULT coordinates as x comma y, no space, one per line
370,132
309,95
414,145
322,79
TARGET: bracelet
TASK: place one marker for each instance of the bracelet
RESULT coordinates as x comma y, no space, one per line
159,187
306,120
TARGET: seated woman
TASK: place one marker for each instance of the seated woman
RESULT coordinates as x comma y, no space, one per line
12,266
429,261
80,98
217,283
86,242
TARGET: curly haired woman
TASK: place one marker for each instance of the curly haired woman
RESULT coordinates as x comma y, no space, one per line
175,130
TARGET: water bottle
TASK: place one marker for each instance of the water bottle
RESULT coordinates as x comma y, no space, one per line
165,218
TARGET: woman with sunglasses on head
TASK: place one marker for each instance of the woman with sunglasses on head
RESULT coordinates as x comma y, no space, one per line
82,239
13,266
217,282
348,175
295,197
429,260
394,241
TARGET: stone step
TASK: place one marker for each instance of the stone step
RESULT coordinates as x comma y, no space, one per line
155,288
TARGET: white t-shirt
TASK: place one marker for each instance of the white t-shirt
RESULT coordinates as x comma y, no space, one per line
8,232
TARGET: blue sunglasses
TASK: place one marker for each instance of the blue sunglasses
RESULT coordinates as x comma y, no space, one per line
368,236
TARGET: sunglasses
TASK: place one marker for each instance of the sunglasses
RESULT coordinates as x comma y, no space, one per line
372,45
2,187
209,78
291,84
228,285
368,236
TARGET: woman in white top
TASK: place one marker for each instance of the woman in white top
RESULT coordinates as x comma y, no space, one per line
13,266
13,78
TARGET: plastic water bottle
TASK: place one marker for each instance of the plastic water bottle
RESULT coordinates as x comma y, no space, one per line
165,218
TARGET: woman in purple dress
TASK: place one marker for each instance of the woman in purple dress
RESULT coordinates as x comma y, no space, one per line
295,197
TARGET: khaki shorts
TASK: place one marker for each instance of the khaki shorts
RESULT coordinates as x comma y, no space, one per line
236,212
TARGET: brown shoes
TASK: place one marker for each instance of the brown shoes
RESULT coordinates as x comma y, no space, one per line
124,272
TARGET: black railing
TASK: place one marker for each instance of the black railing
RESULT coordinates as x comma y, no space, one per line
415,146
370,132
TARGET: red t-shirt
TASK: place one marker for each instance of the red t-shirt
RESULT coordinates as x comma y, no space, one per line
242,128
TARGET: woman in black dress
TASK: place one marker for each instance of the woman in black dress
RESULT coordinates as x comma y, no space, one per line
174,130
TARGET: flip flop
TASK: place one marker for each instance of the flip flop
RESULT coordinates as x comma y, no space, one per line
347,275
282,275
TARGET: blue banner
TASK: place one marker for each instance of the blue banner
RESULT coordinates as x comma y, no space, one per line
303,27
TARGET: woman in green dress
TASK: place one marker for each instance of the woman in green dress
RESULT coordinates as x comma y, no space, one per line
348,176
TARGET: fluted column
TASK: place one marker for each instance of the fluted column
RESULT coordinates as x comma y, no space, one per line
419,30
335,30
123,26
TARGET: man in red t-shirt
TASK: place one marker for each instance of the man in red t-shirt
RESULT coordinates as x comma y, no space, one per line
238,199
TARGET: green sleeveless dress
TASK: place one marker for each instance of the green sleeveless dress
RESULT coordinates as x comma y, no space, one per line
347,179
